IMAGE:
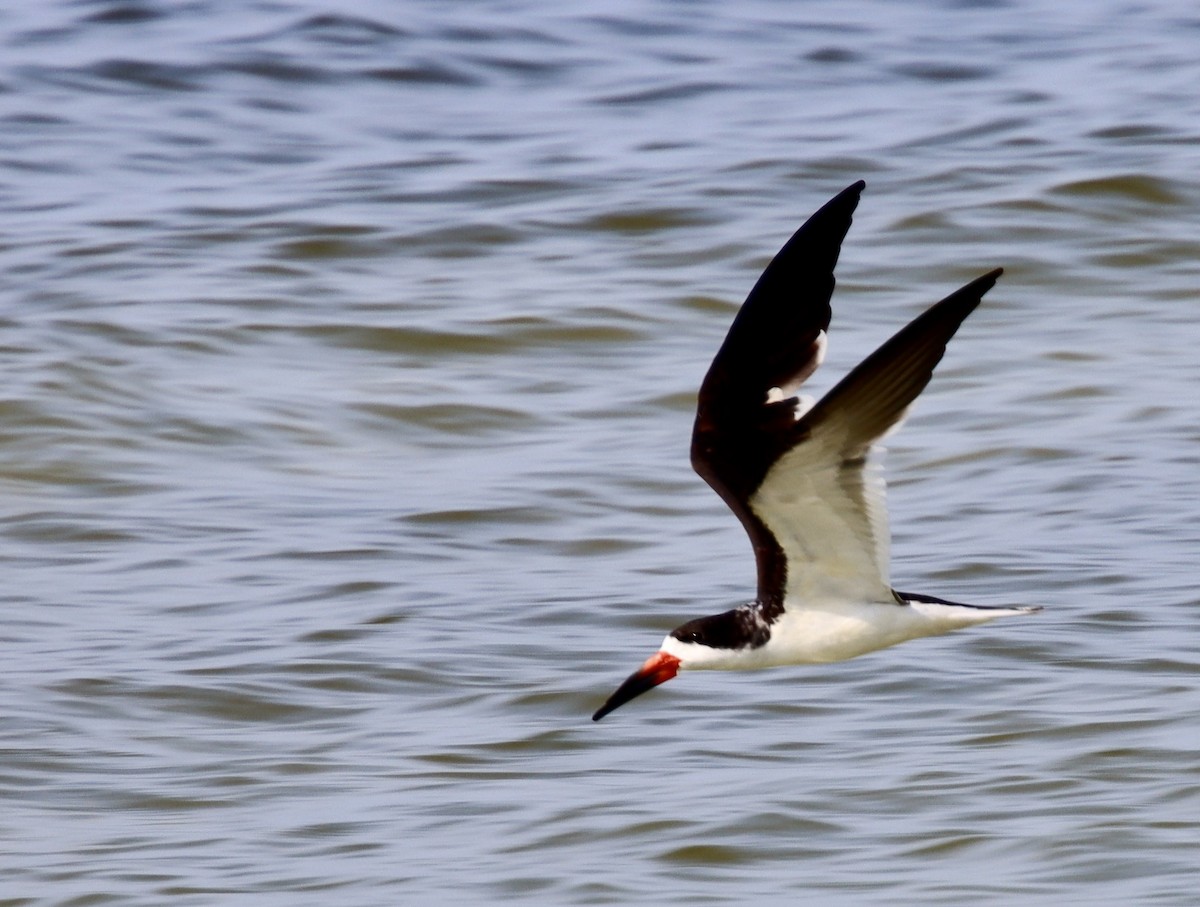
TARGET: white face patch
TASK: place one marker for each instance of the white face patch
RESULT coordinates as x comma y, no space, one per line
775,395
696,657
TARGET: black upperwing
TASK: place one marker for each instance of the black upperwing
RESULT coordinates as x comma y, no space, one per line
820,501
874,396
776,341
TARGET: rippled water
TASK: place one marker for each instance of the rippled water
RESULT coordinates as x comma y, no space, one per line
349,367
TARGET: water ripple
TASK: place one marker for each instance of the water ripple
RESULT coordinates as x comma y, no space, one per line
351,360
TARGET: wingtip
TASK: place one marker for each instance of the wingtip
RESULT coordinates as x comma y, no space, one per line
972,293
854,190
980,286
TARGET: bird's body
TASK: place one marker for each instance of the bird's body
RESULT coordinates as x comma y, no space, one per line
798,477
823,631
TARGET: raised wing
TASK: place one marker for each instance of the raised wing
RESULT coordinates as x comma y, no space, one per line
745,418
821,501
799,482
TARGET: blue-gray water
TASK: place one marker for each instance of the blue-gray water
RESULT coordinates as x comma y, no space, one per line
349,361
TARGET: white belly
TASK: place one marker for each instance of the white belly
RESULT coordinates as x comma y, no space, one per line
820,633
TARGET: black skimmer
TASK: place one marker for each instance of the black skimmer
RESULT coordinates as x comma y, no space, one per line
797,474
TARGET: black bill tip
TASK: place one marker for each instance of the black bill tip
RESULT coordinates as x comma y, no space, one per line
659,668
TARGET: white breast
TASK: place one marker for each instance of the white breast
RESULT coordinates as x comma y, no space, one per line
818,633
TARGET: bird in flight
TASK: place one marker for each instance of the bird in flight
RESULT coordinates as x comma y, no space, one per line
797,474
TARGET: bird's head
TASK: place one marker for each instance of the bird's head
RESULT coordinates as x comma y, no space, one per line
707,642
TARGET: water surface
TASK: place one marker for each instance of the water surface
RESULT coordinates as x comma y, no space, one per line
350,360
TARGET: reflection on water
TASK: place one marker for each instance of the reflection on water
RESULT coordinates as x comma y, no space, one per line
350,365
